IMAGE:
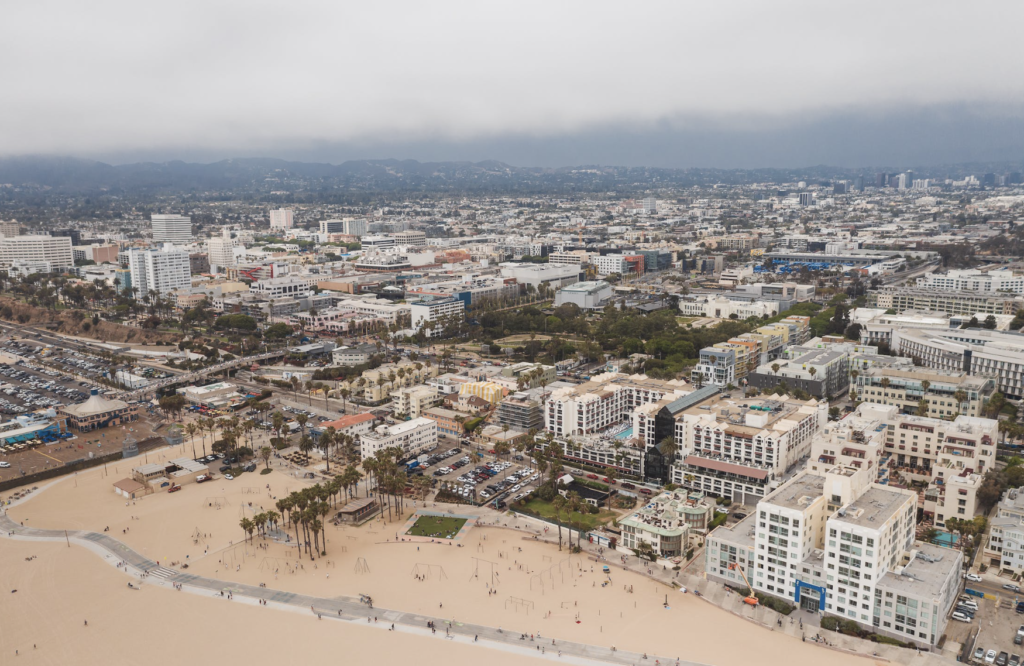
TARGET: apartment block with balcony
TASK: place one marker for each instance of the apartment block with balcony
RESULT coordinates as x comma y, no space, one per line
946,393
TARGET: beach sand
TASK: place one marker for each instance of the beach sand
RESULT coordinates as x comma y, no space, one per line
538,589
63,587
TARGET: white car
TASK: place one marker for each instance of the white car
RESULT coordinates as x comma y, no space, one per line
990,657
229,477
960,617
973,577
4,464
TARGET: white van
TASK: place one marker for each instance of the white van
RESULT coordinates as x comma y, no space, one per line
960,617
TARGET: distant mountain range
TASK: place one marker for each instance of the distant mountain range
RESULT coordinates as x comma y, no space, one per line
277,178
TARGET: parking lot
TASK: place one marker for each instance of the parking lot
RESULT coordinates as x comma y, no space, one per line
994,618
26,386
476,479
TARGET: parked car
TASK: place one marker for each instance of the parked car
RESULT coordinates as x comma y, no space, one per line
979,654
174,488
203,478
1014,660
627,485
960,617
990,657
973,577
1002,659
592,476
4,464
1011,587
645,491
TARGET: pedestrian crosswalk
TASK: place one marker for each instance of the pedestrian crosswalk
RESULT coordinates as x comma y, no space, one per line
162,572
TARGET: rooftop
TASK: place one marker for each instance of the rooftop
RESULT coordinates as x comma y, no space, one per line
926,571
875,507
798,493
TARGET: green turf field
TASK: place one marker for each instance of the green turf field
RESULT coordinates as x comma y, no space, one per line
436,527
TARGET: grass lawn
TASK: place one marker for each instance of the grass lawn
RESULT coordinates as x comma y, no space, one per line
436,527
587,521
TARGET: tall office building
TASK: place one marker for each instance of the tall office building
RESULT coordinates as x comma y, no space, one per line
332,226
9,228
282,218
54,250
162,271
74,234
901,181
221,250
356,227
806,198
650,206
172,229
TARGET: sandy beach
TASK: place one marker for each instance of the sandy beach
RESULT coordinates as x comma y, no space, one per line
496,577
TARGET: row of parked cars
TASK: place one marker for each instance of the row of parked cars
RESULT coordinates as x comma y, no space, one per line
514,482
29,391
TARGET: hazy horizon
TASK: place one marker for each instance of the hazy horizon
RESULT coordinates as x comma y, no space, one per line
739,84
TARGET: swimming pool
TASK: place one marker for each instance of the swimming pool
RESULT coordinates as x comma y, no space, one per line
625,434
946,539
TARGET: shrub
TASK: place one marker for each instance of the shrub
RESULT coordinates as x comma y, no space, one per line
266,470
830,623
777,605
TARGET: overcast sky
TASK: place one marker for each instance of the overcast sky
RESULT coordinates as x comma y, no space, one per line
758,83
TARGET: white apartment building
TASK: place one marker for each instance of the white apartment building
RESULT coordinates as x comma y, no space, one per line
378,242
172,229
9,228
221,250
282,218
742,450
55,250
426,313
988,282
163,271
604,401
836,543
289,286
612,263
1005,546
356,227
413,437
411,238
975,351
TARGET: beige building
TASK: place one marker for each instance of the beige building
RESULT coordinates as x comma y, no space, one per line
947,393
411,401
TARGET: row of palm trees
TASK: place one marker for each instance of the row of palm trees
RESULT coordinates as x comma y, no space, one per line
307,509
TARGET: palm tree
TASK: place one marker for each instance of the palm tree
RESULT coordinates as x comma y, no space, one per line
559,504
775,368
277,421
344,396
191,428
961,397
574,504
264,454
247,527
327,439
302,419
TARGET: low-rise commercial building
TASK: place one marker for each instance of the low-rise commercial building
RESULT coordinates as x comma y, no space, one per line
586,295
413,437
